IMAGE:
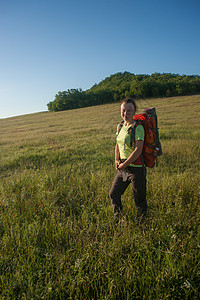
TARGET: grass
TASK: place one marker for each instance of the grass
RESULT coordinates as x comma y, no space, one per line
58,239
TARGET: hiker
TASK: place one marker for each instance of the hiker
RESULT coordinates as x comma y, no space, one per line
129,162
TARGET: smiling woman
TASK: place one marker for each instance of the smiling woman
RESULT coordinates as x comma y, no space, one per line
128,162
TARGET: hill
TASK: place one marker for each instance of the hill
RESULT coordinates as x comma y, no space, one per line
155,85
57,234
120,85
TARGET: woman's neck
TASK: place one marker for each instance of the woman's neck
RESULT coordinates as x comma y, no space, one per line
128,123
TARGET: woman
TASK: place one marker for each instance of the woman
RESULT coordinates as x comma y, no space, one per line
128,162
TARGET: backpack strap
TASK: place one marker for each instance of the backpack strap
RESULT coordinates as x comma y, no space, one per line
120,126
132,131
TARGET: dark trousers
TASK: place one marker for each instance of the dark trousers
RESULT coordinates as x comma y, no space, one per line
137,178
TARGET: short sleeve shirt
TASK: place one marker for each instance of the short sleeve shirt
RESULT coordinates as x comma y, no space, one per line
124,139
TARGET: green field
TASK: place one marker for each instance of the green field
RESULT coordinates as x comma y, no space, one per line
58,239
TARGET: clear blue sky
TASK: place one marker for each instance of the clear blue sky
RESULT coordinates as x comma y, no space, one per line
49,46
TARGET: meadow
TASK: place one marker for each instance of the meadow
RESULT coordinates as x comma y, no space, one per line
58,238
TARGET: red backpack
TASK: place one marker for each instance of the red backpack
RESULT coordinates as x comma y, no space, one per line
152,146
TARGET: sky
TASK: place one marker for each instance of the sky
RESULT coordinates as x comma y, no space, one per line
49,46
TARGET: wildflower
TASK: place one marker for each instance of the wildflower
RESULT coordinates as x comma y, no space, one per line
173,236
186,284
77,263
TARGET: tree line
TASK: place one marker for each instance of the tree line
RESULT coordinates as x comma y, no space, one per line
120,85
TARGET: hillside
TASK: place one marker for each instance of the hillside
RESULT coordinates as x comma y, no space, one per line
57,234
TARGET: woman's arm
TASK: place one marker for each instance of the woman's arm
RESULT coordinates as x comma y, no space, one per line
117,161
134,155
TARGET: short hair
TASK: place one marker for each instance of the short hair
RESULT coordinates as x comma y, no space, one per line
129,100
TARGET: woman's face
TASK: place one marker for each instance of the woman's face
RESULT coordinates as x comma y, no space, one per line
127,112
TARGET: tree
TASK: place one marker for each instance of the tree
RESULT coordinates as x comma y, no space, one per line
120,85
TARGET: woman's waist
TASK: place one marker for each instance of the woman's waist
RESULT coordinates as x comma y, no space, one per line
136,164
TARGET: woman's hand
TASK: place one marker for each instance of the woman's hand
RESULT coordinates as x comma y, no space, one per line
121,167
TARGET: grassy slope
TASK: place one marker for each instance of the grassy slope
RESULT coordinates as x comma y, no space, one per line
57,235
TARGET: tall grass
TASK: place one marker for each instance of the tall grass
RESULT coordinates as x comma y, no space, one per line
58,239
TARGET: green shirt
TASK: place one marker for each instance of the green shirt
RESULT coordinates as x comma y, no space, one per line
124,138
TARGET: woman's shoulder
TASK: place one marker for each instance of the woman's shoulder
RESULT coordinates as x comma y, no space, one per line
140,128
